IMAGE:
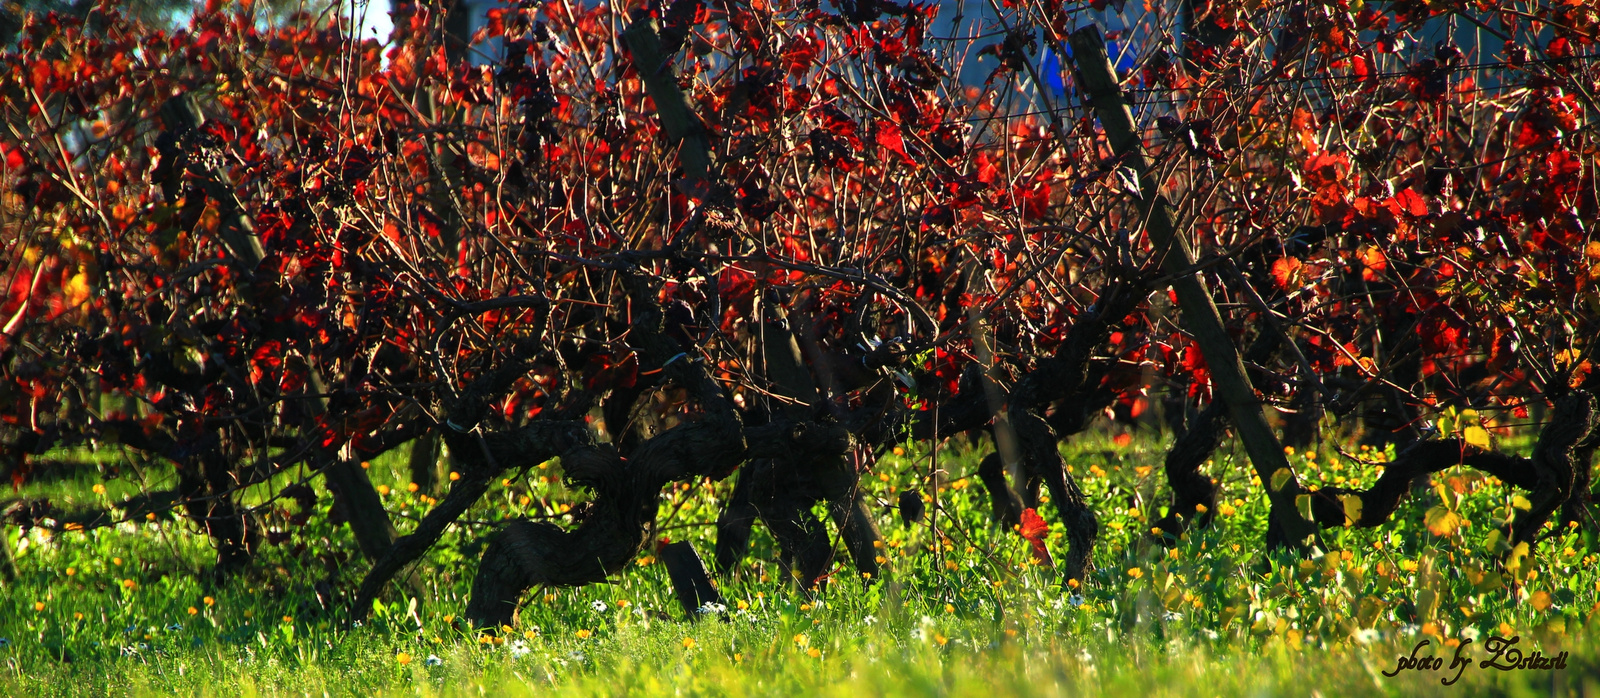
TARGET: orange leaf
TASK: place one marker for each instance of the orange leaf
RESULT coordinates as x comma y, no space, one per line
1286,272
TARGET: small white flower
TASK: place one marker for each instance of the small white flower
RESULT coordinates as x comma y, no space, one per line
1172,616
1469,633
713,607
1211,634
578,657
175,627
432,660
1075,600
869,620
518,649
599,606
1367,636
1410,629
356,624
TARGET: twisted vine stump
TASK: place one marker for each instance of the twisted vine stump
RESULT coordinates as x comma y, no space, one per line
781,487
616,525
1549,475
1065,377
612,529
780,492
1194,494
689,579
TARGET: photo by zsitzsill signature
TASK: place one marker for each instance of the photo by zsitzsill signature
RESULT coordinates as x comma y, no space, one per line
1503,655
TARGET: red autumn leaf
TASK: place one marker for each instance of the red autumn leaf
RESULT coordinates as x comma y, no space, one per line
13,157
1326,169
1033,529
1360,68
987,171
888,136
266,360
1412,202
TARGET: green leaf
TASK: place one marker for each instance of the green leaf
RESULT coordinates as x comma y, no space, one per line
1495,542
1303,503
1427,603
1368,610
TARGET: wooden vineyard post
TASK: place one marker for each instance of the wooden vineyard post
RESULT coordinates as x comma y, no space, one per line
1098,80
677,119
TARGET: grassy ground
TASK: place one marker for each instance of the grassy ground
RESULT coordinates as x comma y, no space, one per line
128,610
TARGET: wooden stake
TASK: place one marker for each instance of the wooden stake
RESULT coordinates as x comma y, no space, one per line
1098,80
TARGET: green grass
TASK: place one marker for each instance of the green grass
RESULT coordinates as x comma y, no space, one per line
124,609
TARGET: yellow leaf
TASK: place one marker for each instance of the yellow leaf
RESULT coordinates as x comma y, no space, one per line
1352,508
1280,477
1441,521
1368,610
1303,503
1490,582
1520,502
1476,436
1519,554
1427,603
77,289
1540,600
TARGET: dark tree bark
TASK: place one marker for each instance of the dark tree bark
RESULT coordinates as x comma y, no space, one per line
1549,475
690,582
1194,494
1192,489
781,489
1005,507
424,462
8,568
781,492
618,521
